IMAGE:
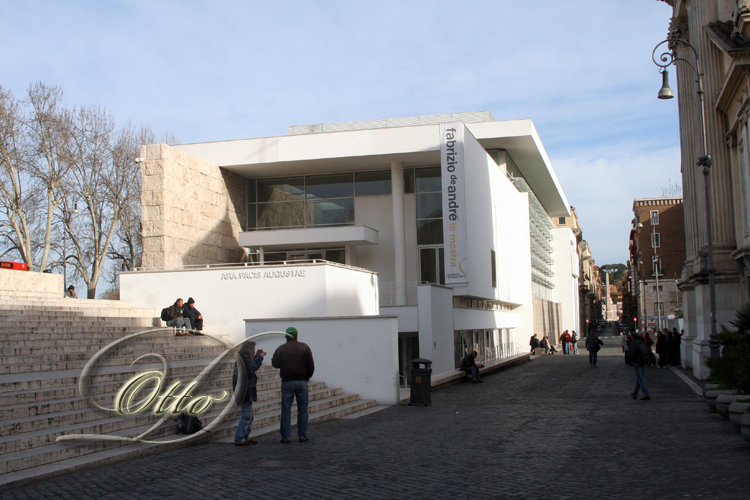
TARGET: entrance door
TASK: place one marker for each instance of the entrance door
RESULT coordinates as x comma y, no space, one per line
408,349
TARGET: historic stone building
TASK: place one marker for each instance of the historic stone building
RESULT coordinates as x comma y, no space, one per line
719,32
657,248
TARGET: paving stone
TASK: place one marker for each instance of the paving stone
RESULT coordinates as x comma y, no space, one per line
550,428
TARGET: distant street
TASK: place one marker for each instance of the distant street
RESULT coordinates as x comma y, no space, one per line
551,428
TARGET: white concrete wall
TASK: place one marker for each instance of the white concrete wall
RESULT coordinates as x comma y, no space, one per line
227,296
377,212
408,317
566,277
359,355
30,283
436,327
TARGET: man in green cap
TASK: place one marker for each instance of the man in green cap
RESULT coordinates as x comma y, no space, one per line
295,363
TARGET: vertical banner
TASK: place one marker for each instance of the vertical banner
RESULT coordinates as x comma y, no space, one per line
454,206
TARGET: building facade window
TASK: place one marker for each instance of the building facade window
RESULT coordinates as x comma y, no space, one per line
493,267
655,240
315,200
561,221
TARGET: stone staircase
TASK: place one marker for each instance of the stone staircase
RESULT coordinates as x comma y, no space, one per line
44,345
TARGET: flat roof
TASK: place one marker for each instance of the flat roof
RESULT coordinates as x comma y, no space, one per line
376,148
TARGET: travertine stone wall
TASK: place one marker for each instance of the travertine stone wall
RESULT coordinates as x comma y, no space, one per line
30,283
191,210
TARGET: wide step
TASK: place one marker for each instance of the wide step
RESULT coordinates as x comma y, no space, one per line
44,344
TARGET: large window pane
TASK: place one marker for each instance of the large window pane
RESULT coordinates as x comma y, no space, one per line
274,257
250,190
427,267
332,212
408,180
337,255
373,183
275,215
429,205
329,186
430,232
281,189
250,217
428,179
441,265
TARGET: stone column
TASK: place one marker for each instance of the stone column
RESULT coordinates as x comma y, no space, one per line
399,233
695,283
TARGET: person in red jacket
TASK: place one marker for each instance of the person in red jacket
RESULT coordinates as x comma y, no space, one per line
566,340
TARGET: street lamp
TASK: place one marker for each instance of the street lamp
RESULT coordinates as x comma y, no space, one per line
705,161
656,263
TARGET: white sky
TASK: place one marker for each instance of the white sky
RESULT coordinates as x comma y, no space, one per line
220,70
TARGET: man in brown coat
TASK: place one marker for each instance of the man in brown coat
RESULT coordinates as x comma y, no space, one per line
295,363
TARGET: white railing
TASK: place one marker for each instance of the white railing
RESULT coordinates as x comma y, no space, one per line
500,351
389,293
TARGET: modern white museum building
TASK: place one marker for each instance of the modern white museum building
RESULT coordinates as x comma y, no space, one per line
381,241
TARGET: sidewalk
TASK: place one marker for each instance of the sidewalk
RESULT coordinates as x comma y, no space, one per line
549,428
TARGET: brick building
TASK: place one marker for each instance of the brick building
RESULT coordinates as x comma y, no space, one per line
657,249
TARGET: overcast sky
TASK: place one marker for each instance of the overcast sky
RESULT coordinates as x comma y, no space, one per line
219,70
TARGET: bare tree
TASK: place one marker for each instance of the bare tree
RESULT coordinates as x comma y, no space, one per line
33,152
93,179
14,182
127,248
49,135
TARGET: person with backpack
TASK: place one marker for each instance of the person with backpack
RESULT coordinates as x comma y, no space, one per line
172,315
251,360
574,341
639,355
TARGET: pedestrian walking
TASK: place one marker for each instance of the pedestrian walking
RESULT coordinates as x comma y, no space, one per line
295,363
639,355
251,360
593,344
574,341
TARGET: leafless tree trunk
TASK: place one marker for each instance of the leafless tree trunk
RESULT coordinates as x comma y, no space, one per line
49,136
14,182
95,181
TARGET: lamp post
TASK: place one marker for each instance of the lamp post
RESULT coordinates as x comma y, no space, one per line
704,161
655,264
66,220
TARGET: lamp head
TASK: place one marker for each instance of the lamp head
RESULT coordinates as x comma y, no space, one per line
665,92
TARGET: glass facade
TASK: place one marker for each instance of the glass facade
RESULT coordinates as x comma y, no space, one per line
322,200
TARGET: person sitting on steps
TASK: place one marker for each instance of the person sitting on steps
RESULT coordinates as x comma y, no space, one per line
194,315
173,316
470,366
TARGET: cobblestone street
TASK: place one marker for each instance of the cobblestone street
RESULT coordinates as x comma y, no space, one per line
549,428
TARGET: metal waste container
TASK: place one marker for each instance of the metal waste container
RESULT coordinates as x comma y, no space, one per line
421,382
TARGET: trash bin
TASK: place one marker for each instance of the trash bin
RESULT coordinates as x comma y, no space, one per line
421,382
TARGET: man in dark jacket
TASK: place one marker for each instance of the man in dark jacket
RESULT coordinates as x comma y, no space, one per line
175,318
639,355
252,361
194,315
295,363
470,366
